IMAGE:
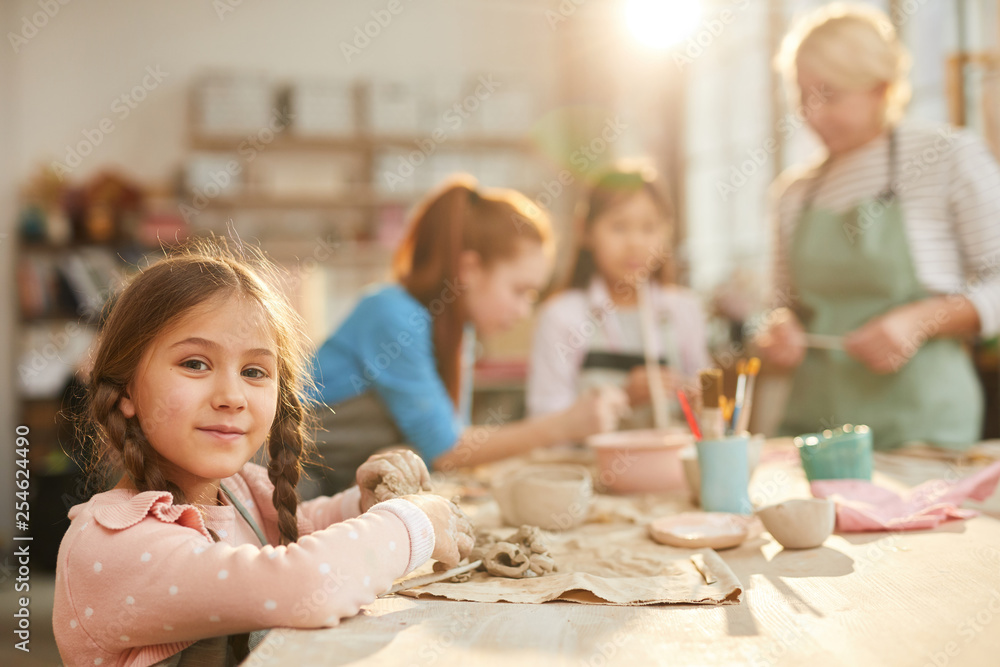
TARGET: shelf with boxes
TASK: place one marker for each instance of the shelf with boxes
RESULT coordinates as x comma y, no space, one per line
259,143
324,173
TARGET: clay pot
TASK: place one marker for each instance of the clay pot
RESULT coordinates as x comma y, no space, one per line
552,497
641,461
801,523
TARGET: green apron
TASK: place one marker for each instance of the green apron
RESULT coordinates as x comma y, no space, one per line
847,269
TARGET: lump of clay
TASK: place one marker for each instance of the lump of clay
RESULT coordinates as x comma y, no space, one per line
506,560
530,537
523,554
392,475
541,564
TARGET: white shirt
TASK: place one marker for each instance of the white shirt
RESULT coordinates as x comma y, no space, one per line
948,184
569,322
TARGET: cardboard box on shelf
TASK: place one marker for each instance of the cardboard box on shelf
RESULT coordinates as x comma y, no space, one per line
322,109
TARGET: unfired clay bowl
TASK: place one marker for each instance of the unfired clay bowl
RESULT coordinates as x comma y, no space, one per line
801,523
552,497
640,461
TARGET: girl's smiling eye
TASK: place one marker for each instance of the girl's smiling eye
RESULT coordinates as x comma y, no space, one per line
255,373
193,364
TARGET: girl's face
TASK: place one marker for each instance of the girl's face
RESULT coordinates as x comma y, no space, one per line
500,295
206,392
628,239
843,119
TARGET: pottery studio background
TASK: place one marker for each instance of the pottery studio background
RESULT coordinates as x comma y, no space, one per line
312,127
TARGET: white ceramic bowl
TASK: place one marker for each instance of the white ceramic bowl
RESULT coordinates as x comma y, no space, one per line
801,523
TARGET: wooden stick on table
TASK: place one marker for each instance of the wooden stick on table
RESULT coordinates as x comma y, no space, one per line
657,391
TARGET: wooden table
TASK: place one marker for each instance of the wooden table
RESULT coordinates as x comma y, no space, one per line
910,598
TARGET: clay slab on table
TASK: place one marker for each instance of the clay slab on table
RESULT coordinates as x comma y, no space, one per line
695,530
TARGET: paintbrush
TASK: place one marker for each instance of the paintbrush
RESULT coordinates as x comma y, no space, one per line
741,386
727,407
743,421
711,411
689,414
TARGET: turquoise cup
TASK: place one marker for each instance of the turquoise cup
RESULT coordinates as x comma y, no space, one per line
843,453
725,475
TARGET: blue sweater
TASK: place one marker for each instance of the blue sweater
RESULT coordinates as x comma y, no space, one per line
386,345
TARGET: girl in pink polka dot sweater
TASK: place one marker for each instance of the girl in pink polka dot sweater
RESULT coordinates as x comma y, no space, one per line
196,551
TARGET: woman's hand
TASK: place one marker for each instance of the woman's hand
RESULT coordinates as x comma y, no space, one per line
887,343
390,475
453,536
783,343
596,411
637,385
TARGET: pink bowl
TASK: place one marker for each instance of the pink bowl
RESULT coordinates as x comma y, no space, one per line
646,461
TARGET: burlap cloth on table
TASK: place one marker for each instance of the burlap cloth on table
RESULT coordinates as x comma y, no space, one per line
612,564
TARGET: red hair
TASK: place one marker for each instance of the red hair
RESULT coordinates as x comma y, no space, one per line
454,218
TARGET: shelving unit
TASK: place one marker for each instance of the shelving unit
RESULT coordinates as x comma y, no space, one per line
296,190
57,320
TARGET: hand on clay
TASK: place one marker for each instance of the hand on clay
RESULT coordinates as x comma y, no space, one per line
597,411
392,474
637,385
453,536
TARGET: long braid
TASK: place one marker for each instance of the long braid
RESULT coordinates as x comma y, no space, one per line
125,439
284,468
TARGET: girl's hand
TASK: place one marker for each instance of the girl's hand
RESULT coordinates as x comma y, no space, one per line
783,342
453,536
637,386
390,475
597,411
888,342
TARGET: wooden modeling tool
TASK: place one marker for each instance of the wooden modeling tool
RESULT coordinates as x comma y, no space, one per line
432,578
824,342
657,392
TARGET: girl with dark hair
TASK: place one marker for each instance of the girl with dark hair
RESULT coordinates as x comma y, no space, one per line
589,334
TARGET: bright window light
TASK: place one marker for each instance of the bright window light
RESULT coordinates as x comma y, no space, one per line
660,24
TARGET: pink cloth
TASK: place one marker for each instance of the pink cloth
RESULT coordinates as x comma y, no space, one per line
139,579
862,506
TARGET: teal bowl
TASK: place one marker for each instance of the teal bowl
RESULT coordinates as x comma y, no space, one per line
843,453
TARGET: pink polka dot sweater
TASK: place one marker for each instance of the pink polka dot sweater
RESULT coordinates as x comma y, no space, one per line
140,579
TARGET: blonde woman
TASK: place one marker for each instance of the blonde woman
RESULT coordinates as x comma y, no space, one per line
890,243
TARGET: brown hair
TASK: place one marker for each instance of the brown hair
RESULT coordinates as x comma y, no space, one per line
610,189
457,217
202,270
